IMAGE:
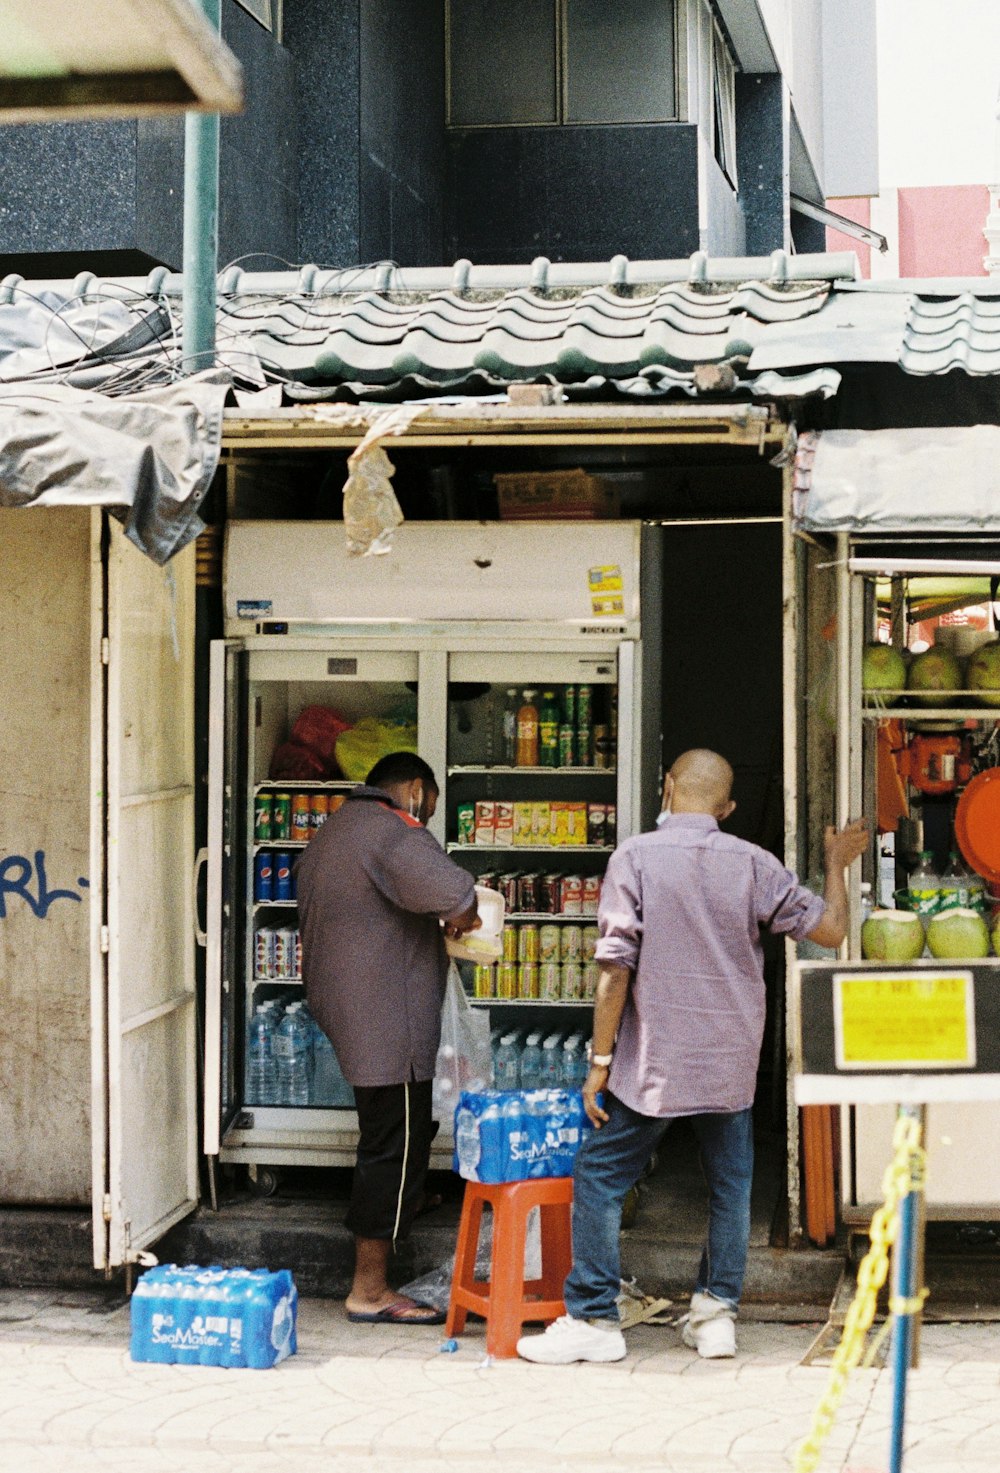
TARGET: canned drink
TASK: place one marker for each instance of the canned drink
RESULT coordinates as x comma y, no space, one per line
284,953
572,895
527,980
548,943
584,706
567,745
591,936
263,817
527,893
583,746
572,981
488,879
571,944
466,823
611,826
281,825
602,746
319,810
297,970
337,801
484,981
550,981
528,944
507,980
509,941
549,888
591,974
569,705
301,818
508,887
263,952
263,876
597,815
283,876
591,894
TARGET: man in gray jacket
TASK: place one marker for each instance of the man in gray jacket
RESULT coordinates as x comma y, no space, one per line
373,888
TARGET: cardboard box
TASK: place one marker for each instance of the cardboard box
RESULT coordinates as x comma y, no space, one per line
573,495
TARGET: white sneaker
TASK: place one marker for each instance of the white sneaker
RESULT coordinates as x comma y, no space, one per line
710,1328
567,1340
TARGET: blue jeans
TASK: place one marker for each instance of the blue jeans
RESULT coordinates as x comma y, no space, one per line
610,1162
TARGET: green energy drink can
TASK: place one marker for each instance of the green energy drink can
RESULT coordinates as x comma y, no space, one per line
281,827
569,705
263,817
466,823
567,746
507,980
483,982
584,711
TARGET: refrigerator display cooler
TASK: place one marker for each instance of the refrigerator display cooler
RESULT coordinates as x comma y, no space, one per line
523,661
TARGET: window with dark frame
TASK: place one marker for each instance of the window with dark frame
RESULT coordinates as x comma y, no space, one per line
536,62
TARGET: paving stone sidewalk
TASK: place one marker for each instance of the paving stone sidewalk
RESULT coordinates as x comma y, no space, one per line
359,1398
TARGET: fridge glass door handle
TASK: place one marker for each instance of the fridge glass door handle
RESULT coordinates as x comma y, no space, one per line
200,934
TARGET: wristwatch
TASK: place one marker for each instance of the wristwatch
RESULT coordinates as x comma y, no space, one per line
603,1061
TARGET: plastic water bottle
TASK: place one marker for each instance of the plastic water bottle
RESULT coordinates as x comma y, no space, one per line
326,1073
573,1061
531,1062
551,1071
261,1078
467,1146
292,1045
507,1066
954,883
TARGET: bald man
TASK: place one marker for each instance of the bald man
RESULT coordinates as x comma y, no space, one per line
678,1024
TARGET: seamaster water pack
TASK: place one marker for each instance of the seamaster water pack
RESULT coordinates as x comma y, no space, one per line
214,1316
514,1135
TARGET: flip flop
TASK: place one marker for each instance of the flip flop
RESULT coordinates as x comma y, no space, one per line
399,1313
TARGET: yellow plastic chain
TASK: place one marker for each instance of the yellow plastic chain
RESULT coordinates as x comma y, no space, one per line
904,1173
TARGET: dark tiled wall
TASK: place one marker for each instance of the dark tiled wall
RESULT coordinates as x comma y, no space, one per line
573,194
402,153
323,41
762,159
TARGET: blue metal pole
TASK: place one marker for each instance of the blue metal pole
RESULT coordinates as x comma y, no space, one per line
904,1293
201,225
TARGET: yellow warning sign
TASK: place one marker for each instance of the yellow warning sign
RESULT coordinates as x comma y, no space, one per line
606,589
906,1020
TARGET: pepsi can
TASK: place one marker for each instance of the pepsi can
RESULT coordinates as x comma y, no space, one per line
282,876
263,876
263,953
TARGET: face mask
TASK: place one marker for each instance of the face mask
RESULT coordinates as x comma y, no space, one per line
415,812
666,812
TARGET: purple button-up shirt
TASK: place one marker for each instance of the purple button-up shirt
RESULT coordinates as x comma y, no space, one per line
683,908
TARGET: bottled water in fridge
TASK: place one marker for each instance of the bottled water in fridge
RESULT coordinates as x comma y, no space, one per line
551,1072
293,1046
507,1064
261,1071
531,1062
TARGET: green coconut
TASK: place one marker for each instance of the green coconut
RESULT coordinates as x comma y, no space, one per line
958,935
936,669
892,936
882,668
983,673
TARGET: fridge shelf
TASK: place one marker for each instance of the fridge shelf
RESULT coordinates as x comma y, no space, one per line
274,904
279,844
500,770
278,981
294,784
544,916
527,850
532,1002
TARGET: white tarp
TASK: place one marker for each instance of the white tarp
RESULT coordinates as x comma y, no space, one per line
918,480
149,458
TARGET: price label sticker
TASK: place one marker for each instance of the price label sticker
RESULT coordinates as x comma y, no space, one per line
606,590
905,1020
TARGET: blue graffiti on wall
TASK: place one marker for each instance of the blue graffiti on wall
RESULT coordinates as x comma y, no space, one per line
16,875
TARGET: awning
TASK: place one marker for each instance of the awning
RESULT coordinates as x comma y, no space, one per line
148,458
916,481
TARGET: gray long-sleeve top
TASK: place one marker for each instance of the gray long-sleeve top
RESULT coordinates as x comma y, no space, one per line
373,886
682,909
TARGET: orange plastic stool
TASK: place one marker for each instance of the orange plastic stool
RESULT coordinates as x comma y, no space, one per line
503,1301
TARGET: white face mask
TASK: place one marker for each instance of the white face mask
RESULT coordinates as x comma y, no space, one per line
414,812
666,813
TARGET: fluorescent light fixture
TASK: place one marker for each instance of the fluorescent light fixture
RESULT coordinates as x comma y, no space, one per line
74,59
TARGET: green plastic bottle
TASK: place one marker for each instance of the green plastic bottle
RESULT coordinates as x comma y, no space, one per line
548,731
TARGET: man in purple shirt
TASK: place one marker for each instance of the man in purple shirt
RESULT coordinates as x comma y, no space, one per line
678,1023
